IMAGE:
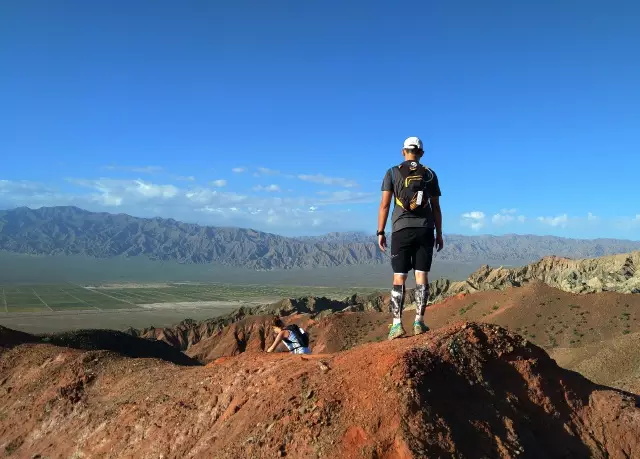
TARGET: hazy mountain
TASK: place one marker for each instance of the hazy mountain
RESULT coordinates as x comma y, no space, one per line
73,231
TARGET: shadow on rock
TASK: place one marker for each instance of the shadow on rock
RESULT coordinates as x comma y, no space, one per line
121,343
519,404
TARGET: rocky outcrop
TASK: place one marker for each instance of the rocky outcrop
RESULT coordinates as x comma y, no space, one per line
615,273
467,391
104,340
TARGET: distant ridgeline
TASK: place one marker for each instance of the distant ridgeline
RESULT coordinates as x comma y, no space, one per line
73,231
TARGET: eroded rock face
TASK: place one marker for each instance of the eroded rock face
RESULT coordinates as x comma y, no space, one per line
616,273
468,390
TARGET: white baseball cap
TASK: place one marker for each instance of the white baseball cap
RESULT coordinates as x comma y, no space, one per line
412,143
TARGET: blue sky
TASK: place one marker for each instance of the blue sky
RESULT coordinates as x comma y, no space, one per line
283,116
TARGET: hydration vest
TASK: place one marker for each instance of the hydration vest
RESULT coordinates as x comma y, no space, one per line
413,194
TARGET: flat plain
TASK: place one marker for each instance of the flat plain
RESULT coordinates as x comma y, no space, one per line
73,297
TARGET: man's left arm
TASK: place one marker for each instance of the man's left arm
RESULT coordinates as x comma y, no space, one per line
437,218
433,189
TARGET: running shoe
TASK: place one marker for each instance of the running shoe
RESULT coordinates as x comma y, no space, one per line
419,327
396,331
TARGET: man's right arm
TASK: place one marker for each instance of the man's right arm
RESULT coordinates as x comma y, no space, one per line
277,341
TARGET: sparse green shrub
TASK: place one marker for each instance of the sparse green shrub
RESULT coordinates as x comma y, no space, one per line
465,309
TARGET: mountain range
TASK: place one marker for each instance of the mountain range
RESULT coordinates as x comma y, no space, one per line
72,231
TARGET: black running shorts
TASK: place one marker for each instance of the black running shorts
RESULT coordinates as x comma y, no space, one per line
412,248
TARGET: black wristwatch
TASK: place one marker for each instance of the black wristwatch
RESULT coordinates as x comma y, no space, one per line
380,233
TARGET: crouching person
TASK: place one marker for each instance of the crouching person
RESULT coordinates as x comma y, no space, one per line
293,337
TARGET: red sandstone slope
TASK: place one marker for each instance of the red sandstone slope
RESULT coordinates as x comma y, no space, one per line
467,390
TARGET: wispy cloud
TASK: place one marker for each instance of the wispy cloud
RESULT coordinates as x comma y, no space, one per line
507,216
208,197
239,170
113,192
268,188
324,180
212,205
218,183
15,193
557,221
136,169
183,178
11,186
474,219
346,197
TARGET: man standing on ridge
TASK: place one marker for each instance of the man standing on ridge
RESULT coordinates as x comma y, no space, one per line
416,214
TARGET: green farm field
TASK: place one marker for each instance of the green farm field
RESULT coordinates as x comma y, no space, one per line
69,297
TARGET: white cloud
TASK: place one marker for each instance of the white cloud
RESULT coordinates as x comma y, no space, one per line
218,183
239,170
501,219
187,178
137,169
592,218
113,192
269,188
558,221
474,219
323,179
507,216
208,197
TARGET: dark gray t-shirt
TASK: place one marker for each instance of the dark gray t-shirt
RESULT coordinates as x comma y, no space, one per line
400,218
